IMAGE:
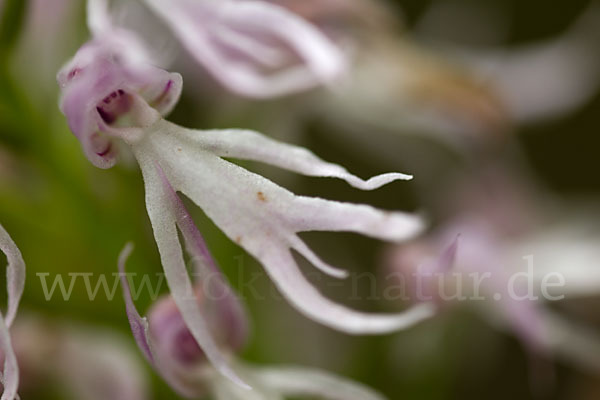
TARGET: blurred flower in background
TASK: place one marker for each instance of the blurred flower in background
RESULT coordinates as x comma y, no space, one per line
510,255
76,361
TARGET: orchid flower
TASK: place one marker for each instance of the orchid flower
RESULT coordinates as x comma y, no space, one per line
109,96
168,344
252,47
15,282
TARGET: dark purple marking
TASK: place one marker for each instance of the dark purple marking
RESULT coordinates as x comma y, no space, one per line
106,151
107,117
164,93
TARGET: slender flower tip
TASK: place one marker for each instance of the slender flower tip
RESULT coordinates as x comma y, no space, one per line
378,181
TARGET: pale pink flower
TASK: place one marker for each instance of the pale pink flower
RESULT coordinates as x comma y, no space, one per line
85,362
109,95
253,47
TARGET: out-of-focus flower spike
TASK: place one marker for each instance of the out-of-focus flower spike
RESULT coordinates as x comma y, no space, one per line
294,381
228,37
314,214
15,276
549,79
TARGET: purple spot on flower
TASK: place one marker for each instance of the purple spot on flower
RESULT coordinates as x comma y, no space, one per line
114,105
164,95
73,73
186,348
106,151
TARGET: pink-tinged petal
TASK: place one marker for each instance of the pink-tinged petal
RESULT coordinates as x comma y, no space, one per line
264,219
97,88
163,216
157,356
295,381
92,363
253,48
15,274
163,93
481,252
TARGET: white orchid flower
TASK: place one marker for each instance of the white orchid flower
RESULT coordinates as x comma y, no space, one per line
109,95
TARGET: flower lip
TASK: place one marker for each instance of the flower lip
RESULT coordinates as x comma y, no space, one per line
97,88
253,48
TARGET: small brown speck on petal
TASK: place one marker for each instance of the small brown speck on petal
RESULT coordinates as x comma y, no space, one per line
261,196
